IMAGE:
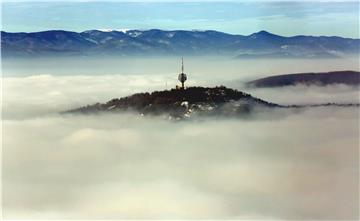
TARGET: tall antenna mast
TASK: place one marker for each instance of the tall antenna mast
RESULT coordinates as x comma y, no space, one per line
182,76
182,65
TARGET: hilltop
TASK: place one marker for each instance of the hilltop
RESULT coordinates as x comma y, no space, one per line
193,101
178,103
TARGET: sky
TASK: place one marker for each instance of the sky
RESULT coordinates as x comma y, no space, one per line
286,18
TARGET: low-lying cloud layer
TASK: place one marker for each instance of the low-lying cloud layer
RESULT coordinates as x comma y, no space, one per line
123,166
302,94
300,165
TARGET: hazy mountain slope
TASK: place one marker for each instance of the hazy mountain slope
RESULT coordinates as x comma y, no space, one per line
335,77
159,42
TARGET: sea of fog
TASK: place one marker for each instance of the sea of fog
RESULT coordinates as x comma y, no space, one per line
280,165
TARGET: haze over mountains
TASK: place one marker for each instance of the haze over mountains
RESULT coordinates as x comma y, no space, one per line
159,42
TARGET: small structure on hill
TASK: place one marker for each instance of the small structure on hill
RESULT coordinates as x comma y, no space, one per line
182,76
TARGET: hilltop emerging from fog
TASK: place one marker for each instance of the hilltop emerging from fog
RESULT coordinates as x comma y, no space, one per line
183,103
190,102
159,42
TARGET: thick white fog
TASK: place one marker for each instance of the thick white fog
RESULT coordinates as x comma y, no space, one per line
282,165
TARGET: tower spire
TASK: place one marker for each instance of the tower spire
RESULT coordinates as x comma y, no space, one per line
182,76
182,65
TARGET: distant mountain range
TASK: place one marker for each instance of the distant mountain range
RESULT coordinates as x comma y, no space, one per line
351,78
159,42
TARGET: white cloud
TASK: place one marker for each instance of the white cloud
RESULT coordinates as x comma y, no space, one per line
284,165
119,166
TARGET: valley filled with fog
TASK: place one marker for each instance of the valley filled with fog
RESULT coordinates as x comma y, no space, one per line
281,164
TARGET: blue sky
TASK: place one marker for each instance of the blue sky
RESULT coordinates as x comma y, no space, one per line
238,17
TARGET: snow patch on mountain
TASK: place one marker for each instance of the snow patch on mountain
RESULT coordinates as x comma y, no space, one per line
135,34
124,30
170,35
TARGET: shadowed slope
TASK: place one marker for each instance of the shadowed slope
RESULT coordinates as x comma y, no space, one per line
336,77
